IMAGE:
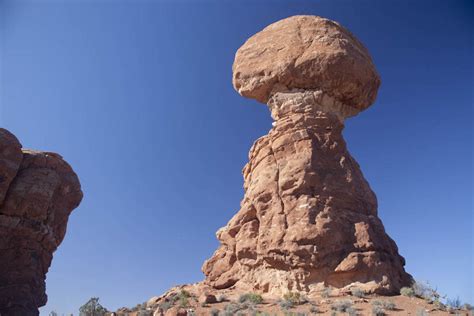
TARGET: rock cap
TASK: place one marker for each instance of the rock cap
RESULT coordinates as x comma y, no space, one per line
310,53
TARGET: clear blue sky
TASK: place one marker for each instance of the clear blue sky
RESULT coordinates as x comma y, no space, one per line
137,96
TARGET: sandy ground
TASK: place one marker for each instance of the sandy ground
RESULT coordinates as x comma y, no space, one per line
362,306
314,306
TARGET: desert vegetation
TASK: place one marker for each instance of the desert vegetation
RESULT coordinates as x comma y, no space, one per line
418,299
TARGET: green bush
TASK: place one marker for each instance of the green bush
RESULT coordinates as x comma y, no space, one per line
166,305
437,303
284,304
357,292
92,308
351,311
377,310
389,305
326,292
407,291
425,291
231,309
183,298
341,305
386,305
251,298
295,298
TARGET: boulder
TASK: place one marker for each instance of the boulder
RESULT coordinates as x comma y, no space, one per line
38,191
207,298
306,53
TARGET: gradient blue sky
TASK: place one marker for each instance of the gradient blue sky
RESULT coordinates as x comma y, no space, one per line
137,96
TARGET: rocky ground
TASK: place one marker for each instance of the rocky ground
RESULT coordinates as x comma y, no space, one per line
195,300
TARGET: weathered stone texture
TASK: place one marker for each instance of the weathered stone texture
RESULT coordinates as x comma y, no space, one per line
308,218
38,191
306,52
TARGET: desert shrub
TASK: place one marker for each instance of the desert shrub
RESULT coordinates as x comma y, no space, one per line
341,305
285,304
251,298
438,305
389,305
232,309
407,291
183,298
313,309
166,305
421,312
454,303
357,292
221,298
295,298
92,307
425,291
214,312
183,301
326,292
384,305
468,307
377,310
351,311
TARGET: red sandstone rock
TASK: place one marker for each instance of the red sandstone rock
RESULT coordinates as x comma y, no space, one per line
306,52
38,191
308,218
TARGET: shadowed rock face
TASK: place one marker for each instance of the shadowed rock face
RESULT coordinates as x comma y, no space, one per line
308,218
38,191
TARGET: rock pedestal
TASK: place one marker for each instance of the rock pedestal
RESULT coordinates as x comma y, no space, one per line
38,191
308,218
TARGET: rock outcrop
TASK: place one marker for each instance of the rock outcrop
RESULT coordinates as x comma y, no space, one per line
308,218
38,191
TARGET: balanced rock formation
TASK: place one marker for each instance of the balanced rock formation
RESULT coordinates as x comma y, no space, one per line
308,218
38,191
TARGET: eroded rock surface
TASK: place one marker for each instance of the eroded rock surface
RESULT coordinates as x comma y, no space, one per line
308,218
38,191
306,52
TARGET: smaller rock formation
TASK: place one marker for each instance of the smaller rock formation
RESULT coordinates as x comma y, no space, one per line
38,191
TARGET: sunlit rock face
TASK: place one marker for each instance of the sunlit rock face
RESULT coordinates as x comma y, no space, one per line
308,218
309,53
38,191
